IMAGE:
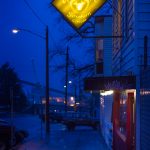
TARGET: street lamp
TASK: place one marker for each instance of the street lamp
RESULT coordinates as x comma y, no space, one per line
70,82
74,88
15,31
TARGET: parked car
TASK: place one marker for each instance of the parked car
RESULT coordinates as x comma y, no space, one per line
9,135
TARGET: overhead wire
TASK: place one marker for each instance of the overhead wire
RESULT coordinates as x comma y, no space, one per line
34,13
42,22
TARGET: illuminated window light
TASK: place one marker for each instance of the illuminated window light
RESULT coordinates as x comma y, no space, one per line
77,103
106,93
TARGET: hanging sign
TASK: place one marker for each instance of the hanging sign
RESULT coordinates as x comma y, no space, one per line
77,12
110,83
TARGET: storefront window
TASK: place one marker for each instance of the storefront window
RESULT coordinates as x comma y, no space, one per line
123,113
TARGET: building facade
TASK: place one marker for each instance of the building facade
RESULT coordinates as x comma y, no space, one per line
129,79
103,68
131,20
104,49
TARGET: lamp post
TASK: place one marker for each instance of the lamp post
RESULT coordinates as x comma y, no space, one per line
66,89
15,31
74,91
47,84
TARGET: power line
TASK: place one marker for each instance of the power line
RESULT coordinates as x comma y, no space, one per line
39,18
34,13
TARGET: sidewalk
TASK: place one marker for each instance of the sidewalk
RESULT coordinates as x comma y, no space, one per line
75,140
82,138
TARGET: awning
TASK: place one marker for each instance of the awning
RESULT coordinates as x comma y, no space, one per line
110,83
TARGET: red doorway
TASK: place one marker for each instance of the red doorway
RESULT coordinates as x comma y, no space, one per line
123,121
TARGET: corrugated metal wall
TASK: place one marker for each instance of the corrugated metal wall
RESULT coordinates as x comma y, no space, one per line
145,110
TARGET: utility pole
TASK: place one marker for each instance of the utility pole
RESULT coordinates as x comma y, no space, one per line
79,78
75,96
12,115
66,89
47,121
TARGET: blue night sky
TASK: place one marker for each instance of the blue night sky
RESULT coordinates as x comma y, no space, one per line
20,49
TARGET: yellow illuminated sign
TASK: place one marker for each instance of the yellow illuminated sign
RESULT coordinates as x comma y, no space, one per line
77,12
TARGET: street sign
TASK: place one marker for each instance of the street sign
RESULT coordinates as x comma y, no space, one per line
77,12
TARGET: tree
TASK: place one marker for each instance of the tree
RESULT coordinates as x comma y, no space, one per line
10,88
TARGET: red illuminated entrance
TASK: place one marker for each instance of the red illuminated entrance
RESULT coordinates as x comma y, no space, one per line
123,121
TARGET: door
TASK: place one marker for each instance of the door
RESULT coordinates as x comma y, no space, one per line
123,121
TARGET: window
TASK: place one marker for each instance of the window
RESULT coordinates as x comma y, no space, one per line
99,50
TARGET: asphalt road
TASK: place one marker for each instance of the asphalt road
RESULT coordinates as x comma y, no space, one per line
82,138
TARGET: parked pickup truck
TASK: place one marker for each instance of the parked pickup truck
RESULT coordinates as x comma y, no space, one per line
71,120
53,116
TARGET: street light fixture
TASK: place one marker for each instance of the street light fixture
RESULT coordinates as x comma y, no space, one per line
70,82
74,86
15,31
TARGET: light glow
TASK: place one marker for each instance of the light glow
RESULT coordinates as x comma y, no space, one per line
72,98
106,93
15,31
80,6
77,12
70,82
77,103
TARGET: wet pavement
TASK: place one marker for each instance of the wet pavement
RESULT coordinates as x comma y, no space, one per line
82,138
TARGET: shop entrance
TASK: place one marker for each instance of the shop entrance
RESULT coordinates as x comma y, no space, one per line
124,120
